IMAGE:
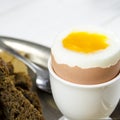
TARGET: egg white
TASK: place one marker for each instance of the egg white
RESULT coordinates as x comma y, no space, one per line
101,58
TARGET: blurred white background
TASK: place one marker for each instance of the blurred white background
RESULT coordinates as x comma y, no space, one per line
41,20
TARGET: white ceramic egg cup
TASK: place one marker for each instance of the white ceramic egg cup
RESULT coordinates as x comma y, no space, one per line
84,102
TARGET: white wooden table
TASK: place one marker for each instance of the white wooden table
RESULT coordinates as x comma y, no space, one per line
41,20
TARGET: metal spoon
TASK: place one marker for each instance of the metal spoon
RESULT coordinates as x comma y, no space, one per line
42,75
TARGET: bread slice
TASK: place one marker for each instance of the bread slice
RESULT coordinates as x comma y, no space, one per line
32,97
23,81
17,102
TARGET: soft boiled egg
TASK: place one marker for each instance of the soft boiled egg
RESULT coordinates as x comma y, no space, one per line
86,56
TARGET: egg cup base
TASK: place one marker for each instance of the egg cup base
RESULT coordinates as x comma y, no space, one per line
64,118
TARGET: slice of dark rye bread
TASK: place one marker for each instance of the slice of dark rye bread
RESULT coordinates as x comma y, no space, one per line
16,101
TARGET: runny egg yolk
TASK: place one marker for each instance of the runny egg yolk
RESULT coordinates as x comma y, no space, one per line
85,42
